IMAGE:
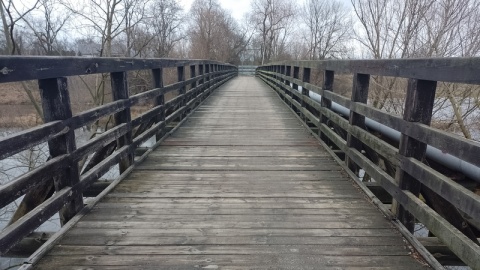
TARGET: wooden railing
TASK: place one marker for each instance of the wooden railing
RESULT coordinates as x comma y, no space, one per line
401,169
115,146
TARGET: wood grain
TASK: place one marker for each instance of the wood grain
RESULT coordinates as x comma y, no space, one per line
240,185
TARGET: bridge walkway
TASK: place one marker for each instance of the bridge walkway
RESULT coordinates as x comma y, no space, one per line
240,185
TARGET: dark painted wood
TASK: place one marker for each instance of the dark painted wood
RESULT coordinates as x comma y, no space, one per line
41,200
20,141
360,95
56,106
241,193
448,69
447,222
418,108
120,92
21,68
328,79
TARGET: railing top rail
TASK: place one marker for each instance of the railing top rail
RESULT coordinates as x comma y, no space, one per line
454,69
22,68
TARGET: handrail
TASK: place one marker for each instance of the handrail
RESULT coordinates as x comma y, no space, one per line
450,211
115,146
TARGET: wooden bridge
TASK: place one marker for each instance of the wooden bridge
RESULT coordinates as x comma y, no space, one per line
245,172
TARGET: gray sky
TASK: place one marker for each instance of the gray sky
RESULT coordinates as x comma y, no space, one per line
236,7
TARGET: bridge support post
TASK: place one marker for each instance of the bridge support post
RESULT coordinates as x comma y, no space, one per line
328,78
193,85
359,94
288,72
207,79
183,89
305,92
201,86
296,73
120,92
56,106
418,108
157,75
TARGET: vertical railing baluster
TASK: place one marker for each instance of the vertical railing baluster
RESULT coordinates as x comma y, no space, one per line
359,94
282,72
207,79
328,79
193,85
305,91
296,73
56,106
201,86
120,92
183,89
288,73
418,108
157,75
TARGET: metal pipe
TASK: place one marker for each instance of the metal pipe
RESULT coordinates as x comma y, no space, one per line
433,153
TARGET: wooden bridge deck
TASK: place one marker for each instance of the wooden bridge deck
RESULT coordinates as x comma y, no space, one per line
240,185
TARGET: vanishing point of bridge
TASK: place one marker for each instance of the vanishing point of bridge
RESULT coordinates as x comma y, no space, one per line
247,173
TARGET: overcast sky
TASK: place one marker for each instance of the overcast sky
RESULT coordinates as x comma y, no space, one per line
236,7
239,7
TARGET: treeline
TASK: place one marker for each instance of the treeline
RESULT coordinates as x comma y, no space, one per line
271,30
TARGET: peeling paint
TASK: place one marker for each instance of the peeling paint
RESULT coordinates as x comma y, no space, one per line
6,70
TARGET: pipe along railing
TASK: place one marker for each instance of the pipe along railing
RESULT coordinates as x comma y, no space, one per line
57,185
401,170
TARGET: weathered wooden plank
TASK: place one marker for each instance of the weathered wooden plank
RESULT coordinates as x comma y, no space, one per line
12,234
462,198
123,209
386,250
34,178
231,240
359,95
120,92
236,151
216,261
94,114
418,108
22,140
451,69
239,188
21,68
56,106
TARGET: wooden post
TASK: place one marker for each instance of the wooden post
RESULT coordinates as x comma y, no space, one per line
418,108
214,76
296,72
359,94
157,75
282,71
56,106
305,91
193,85
288,72
277,78
201,81
119,92
328,79
207,79
183,89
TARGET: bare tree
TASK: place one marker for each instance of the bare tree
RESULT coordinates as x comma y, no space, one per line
329,28
214,34
10,17
166,21
47,28
272,19
105,17
422,28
